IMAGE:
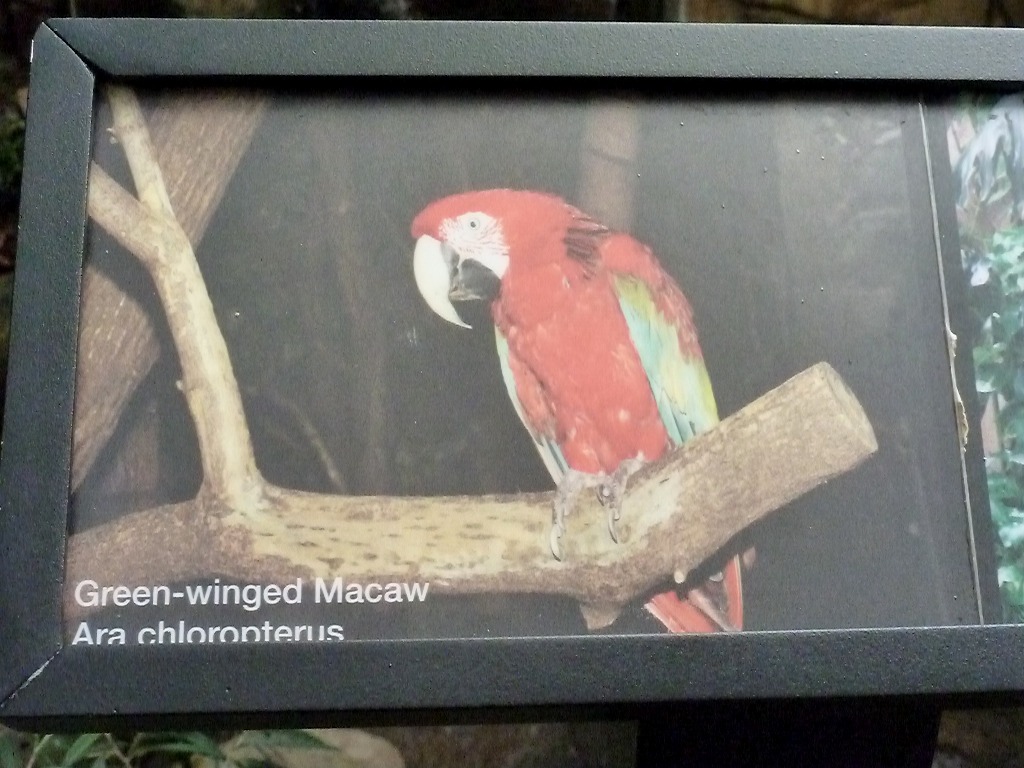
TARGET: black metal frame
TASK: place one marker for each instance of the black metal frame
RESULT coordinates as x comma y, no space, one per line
412,681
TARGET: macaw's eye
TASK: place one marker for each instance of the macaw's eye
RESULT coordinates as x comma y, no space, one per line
474,223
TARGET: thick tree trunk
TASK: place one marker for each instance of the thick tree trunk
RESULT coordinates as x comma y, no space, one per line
608,164
343,236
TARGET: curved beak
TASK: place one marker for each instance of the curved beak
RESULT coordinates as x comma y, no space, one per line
441,276
432,264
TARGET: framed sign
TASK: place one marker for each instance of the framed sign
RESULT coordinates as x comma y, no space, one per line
391,368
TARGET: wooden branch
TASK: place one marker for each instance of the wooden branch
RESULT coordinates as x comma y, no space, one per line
208,382
131,129
676,512
199,138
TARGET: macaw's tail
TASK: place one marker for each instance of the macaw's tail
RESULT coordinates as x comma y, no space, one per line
715,606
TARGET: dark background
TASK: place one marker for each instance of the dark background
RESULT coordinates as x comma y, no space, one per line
798,224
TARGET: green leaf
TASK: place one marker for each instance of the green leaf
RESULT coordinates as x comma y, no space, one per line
51,749
80,747
202,744
177,743
10,754
255,762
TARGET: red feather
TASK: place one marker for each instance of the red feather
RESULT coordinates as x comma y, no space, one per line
578,375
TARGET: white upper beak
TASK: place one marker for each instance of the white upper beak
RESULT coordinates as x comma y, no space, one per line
433,279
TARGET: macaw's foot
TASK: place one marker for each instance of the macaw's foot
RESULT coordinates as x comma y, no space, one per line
573,483
613,489
610,488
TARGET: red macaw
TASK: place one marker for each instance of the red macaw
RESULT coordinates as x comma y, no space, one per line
596,344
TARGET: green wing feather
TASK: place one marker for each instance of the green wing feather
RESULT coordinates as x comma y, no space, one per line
679,382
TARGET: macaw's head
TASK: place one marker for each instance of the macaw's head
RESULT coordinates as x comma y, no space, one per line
467,243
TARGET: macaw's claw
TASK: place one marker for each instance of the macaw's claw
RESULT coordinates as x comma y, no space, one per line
609,494
612,490
554,539
569,489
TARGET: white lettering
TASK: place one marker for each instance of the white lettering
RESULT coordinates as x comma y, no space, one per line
85,593
324,595
102,636
83,635
198,595
251,597
337,591
292,593
89,594
353,593
416,592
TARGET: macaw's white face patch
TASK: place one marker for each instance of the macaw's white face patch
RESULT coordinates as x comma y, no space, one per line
478,236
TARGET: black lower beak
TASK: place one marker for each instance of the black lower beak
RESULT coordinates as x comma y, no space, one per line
472,280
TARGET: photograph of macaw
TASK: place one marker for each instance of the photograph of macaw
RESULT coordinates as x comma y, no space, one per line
598,351
510,363
986,151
